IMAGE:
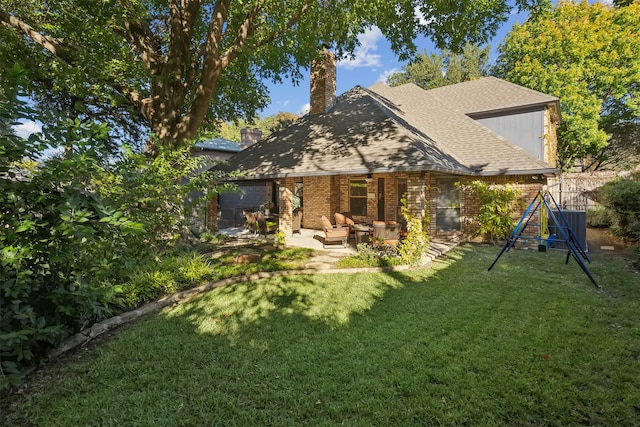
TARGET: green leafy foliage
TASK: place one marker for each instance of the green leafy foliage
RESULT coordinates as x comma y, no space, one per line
588,55
498,205
62,246
622,198
232,130
432,71
635,251
374,254
599,217
413,247
174,67
74,225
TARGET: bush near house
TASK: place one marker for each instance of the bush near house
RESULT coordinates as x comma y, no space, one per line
599,217
498,205
73,227
622,199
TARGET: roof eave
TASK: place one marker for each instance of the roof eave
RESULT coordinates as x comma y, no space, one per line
541,171
515,109
434,168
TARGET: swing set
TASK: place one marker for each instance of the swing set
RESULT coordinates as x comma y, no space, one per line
542,204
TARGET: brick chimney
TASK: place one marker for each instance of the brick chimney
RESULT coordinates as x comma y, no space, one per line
323,83
249,136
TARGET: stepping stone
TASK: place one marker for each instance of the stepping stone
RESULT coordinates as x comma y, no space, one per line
318,266
607,248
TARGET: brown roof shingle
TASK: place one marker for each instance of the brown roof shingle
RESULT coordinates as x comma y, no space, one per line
489,94
385,129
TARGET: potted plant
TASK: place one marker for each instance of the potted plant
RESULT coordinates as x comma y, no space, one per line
297,214
267,206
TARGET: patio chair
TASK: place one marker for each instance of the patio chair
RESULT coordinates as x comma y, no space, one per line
333,233
387,232
296,221
264,225
344,218
250,222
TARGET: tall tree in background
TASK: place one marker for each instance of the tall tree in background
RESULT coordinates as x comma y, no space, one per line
588,55
171,63
267,125
431,71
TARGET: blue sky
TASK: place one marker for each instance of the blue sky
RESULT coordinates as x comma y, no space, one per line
374,61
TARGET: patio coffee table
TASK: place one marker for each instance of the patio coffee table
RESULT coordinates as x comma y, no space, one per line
361,230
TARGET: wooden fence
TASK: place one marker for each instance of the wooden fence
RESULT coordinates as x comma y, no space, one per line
578,191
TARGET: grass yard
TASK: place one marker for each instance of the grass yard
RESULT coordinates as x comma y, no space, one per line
530,343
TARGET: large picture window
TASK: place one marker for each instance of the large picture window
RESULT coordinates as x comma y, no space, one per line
358,197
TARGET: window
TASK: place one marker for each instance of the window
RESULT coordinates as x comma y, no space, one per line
358,197
447,206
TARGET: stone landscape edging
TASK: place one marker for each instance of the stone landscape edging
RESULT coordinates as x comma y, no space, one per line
83,337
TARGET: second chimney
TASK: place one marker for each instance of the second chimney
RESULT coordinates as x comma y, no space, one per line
323,83
249,136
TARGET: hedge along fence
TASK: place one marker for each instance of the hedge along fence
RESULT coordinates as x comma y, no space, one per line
578,190
74,227
622,198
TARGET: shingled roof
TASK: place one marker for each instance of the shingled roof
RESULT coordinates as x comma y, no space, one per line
218,144
490,95
385,129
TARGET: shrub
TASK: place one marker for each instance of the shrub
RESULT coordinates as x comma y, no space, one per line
622,198
498,205
599,217
372,255
74,227
635,251
279,238
413,247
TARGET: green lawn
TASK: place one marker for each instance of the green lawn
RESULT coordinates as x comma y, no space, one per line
530,343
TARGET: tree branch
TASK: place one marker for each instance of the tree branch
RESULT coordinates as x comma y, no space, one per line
141,38
211,70
244,31
56,46
293,21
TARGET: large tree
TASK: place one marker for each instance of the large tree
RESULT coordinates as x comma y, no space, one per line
431,71
588,55
171,63
268,125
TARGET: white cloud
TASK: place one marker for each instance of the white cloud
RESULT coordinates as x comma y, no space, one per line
363,55
305,109
27,128
385,75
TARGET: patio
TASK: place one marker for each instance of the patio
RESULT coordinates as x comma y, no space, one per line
313,239
307,238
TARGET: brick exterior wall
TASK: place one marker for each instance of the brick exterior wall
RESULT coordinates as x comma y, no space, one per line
317,201
470,205
329,194
326,195
285,204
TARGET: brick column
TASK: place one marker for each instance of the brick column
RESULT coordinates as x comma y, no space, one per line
212,214
416,196
285,203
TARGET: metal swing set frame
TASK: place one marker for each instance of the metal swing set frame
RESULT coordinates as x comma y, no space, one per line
542,203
